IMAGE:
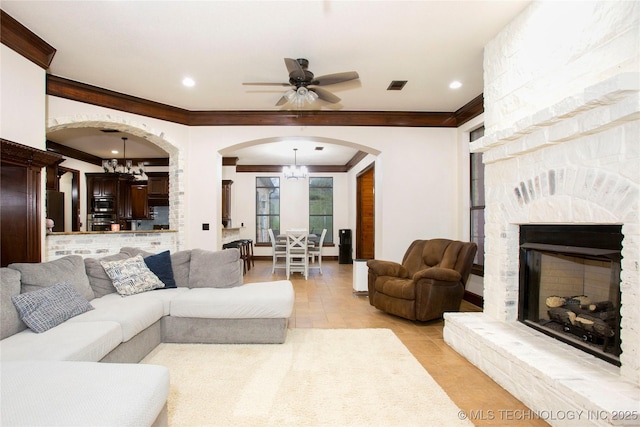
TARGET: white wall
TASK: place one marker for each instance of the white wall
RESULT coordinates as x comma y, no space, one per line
417,188
417,169
22,100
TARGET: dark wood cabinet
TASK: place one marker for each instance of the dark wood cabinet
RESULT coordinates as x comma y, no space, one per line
226,202
116,187
102,185
139,201
158,188
123,200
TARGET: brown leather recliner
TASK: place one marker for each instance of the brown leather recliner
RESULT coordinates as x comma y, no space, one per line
429,282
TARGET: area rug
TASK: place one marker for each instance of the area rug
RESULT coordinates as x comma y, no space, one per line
318,377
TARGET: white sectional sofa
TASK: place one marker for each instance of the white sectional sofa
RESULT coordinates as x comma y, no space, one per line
209,304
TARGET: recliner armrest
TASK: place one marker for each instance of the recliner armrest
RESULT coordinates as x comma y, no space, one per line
387,268
438,273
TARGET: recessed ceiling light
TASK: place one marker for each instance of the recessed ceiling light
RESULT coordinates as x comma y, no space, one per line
114,151
188,82
455,85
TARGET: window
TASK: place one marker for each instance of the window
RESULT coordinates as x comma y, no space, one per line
477,203
267,207
321,207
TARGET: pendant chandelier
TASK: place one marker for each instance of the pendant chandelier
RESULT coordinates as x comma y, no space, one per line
295,172
126,167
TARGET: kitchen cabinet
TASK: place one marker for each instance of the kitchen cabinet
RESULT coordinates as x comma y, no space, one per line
116,188
102,185
139,201
158,188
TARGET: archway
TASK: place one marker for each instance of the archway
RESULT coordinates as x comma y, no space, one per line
345,190
154,136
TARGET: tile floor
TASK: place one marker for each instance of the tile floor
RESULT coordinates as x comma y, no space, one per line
328,301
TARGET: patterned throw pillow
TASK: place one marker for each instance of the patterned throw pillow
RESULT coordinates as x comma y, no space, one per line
45,308
131,276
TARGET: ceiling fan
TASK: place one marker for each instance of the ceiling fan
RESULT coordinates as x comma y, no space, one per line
305,86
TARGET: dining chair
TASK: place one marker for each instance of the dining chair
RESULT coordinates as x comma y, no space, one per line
279,249
315,250
297,252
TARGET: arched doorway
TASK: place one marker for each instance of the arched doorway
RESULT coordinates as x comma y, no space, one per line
155,137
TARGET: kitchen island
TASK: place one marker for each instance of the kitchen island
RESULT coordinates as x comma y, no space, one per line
96,244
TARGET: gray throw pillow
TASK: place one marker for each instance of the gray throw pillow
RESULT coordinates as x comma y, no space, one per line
47,307
10,322
131,252
215,269
131,276
44,274
180,264
98,279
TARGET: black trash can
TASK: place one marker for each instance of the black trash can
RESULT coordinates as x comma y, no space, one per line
345,251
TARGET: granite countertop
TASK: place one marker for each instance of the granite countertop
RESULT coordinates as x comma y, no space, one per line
63,233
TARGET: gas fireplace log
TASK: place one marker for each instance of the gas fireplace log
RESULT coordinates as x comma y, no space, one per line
593,324
562,315
607,316
597,307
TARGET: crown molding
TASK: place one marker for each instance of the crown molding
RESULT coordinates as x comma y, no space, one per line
82,92
19,38
13,152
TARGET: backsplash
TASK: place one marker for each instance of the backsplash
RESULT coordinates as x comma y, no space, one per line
160,215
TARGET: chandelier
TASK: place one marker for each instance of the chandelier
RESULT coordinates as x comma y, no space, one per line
126,167
295,172
300,96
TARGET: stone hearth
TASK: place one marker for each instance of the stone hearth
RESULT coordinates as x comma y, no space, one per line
561,146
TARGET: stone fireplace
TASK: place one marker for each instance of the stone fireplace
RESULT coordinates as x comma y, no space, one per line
561,147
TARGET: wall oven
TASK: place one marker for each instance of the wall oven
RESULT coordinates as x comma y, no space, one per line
100,221
102,204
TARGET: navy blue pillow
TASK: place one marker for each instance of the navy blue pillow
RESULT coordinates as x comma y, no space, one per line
160,265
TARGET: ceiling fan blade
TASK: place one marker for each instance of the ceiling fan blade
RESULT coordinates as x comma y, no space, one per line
294,69
330,79
325,95
281,101
266,84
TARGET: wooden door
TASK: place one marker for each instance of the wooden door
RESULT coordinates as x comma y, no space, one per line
365,214
20,220
139,204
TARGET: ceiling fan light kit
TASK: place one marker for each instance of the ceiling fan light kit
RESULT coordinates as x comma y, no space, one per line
305,87
295,171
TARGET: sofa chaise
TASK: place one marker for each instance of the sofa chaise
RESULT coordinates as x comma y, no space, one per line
193,296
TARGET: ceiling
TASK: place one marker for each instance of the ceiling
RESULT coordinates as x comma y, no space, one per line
146,48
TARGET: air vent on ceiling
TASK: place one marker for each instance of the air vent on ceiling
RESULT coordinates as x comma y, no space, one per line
397,84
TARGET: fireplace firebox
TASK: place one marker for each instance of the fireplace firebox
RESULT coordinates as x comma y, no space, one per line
570,285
